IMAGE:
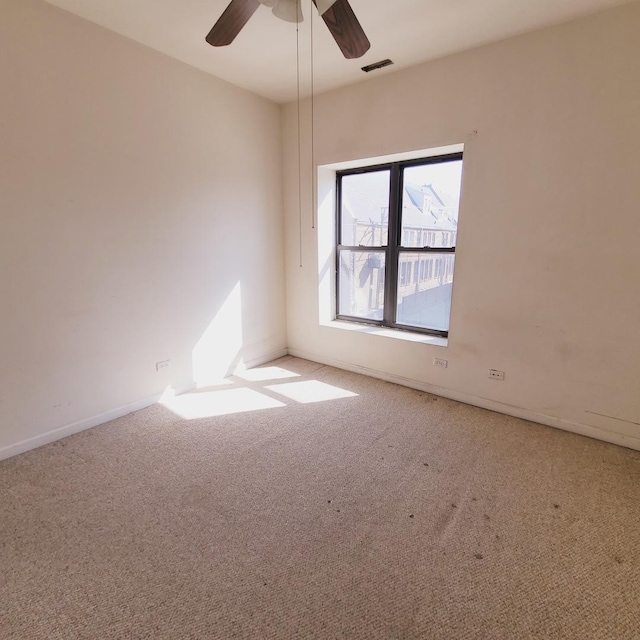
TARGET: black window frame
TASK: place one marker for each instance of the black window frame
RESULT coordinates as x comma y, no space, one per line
393,248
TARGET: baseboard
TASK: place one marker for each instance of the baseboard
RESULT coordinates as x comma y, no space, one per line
84,424
113,414
256,362
484,403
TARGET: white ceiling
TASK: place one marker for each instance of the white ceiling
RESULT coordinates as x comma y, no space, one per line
263,57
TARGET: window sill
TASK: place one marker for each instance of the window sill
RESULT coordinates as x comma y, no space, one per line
385,332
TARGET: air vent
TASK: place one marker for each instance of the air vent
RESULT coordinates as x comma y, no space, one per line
377,65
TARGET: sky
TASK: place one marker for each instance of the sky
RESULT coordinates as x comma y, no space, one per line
445,176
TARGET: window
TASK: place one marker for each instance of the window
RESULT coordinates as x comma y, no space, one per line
397,225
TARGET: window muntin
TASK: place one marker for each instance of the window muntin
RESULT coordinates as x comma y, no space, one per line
409,210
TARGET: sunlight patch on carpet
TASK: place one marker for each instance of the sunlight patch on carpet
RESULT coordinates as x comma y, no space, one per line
266,373
309,391
193,406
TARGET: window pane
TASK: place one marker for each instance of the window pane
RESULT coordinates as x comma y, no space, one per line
425,282
365,209
430,201
362,284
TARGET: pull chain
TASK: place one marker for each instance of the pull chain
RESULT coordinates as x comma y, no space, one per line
299,128
313,154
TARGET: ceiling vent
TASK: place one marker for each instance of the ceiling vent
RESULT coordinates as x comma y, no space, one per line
377,65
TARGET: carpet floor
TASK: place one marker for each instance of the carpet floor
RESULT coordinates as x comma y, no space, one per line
301,501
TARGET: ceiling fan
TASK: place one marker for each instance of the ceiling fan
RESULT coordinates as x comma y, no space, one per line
337,15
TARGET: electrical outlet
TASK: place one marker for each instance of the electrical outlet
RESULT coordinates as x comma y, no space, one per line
162,365
439,362
494,374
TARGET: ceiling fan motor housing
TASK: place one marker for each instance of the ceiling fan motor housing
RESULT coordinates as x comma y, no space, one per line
291,10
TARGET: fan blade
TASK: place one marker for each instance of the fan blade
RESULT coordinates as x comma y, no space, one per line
230,23
345,29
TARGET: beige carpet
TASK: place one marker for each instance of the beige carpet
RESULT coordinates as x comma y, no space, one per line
386,514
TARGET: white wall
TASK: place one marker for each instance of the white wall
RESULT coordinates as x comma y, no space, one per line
548,263
137,197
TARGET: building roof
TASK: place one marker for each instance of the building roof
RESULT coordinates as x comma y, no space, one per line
367,198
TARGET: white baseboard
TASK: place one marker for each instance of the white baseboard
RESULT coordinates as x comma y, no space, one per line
484,403
101,418
84,424
256,362
550,421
